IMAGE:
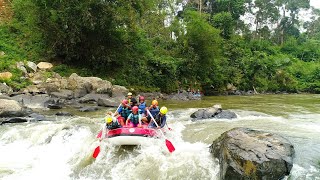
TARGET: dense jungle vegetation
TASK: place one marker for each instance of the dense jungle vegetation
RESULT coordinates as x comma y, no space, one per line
164,44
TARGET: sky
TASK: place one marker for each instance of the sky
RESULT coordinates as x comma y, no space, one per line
315,3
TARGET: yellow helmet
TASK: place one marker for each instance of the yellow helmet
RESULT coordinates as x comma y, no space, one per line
129,94
163,110
108,119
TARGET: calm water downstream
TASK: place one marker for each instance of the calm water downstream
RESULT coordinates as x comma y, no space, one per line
62,149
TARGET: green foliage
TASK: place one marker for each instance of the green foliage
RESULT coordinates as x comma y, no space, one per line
225,23
129,43
235,7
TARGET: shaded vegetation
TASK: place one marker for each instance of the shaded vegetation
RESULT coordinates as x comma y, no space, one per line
132,43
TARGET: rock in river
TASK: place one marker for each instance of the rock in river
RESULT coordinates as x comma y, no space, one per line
250,154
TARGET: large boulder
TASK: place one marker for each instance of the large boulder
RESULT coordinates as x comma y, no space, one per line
119,91
32,101
77,82
11,108
250,154
110,102
213,112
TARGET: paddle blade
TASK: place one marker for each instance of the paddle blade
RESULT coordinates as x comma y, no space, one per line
170,146
96,152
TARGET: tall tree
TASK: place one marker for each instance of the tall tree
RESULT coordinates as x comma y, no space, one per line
289,24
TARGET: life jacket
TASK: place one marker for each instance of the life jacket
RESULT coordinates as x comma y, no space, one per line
158,119
125,112
134,118
113,125
142,107
154,111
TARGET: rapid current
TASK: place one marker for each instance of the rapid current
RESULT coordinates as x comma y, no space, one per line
62,148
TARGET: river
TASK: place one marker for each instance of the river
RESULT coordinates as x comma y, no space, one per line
62,148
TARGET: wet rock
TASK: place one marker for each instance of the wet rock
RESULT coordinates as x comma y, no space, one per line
213,112
63,113
54,103
226,114
14,120
244,153
88,109
37,117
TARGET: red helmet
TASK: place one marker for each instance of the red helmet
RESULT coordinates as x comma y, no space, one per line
135,108
141,98
124,101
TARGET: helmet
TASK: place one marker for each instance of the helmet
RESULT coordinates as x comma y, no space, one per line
141,98
129,94
155,103
108,119
163,110
135,108
124,101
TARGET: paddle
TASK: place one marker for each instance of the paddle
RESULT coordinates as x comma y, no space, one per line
168,127
103,135
168,143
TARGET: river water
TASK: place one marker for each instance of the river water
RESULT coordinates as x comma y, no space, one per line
62,148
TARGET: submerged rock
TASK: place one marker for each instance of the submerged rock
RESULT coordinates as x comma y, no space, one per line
244,153
14,120
63,113
88,109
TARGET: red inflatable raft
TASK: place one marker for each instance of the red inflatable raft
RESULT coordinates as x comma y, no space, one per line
129,135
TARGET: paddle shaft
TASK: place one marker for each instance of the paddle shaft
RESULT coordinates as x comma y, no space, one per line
155,122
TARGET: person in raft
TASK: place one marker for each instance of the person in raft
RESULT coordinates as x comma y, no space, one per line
135,117
132,101
142,106
123,112
111,122
154,110
160,118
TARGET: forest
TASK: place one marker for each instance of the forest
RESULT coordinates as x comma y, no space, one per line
163,45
